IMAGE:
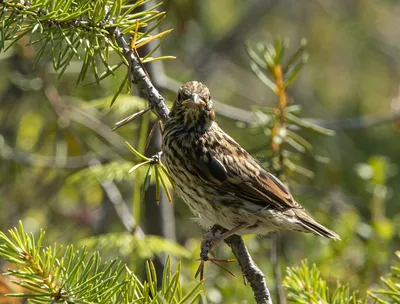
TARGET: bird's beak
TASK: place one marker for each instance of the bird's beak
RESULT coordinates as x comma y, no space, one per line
194,101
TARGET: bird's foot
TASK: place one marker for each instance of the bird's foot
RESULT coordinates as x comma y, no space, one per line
207,244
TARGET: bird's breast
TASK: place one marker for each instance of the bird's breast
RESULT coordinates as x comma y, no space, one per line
179,150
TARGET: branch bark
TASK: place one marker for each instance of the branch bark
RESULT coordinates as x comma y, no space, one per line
157,104
250,270
139,78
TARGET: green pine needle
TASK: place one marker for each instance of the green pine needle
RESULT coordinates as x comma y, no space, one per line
67,275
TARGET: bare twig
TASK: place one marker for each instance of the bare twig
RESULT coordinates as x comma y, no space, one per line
130,118
121,208
73,162
242,115
72,113
116,199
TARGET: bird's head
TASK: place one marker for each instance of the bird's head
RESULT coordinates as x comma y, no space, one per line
193,105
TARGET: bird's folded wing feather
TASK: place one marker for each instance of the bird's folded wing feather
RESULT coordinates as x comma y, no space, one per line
239,174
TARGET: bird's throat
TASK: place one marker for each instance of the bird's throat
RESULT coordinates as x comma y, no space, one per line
196,120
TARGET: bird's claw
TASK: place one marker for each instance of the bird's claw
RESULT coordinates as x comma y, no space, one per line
200,270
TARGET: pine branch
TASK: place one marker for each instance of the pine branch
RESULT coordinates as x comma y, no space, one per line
305,286
66,275
79,29
277,72
390,292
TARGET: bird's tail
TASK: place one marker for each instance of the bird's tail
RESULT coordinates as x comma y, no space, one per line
310,225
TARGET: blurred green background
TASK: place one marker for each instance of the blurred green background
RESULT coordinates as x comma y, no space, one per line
54,136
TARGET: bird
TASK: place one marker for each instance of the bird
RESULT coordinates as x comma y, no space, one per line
219,180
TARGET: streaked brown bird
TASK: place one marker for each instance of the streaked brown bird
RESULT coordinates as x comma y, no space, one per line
219,180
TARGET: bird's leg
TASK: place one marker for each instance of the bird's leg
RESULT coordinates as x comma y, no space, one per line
205,248
208,242
233,231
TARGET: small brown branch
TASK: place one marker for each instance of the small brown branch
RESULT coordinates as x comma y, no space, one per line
250,270
129,119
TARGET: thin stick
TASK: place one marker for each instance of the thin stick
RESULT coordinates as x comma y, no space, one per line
130,118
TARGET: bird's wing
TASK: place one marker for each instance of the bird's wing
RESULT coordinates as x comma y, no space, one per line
234,171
